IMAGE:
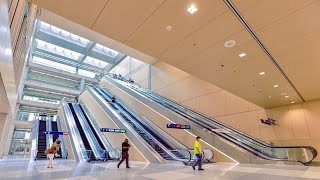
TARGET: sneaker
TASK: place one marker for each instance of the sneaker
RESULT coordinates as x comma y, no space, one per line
128,167
193,168
200,169
118,165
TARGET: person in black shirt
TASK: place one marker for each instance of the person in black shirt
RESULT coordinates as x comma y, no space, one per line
125,153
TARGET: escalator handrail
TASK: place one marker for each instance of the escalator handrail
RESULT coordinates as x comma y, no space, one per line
95,146
145,124
313,150
130,117
74,132
96,128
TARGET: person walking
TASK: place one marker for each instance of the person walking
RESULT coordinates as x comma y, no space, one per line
198,153
125,153
53,151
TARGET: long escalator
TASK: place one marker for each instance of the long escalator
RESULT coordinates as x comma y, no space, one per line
82,134
303,154
92,128
42,142
159,144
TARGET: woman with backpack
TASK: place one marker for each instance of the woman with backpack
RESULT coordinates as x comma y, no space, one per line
52,151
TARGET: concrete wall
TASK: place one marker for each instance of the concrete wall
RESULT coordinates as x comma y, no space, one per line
298,123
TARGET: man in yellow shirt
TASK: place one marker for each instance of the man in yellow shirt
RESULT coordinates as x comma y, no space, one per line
198,153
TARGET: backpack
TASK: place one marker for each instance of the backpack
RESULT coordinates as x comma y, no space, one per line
46,152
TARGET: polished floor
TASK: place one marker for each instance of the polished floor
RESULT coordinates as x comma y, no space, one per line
19,168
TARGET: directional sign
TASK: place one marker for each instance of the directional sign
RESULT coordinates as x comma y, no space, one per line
113,130
178,126
55,133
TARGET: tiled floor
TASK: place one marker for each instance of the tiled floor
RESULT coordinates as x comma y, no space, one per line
18,168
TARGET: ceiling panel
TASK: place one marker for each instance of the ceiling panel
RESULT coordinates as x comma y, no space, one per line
80,11
153,38
294,41
267,11
120,18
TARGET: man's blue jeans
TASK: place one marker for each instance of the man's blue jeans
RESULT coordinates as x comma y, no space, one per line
199,161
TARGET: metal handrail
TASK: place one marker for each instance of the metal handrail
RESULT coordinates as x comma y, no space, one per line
227,136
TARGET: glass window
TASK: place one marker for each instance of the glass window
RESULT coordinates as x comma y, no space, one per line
86,73
95,62
57,50
102,49
53,64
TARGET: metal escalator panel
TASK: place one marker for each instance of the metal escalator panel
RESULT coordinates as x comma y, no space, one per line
42,142
145,132
92,128
80,129
303,154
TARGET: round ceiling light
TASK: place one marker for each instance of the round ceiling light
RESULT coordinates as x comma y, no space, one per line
168,28
229,43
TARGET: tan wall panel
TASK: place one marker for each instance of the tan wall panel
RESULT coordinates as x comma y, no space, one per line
312,113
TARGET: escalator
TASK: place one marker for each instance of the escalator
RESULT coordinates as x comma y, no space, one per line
303,154
54,127
92,128
82,134
165,149
42,141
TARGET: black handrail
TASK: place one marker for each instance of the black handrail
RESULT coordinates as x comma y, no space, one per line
260,143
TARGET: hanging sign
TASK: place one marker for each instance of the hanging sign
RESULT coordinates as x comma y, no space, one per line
178,126
113,130
55,133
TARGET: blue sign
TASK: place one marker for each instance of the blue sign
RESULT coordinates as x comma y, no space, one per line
113,130
55,133
178,126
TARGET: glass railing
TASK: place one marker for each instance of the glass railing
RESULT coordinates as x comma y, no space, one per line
297,153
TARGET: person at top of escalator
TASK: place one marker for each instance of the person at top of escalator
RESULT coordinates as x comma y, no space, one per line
198,153
125,153
113,99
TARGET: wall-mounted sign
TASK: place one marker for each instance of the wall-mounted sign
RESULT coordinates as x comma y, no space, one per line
269,121
113,130
178,126
55,133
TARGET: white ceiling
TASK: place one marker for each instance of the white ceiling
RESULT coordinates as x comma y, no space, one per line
288,28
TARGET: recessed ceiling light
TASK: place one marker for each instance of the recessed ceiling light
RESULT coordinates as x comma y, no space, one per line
286,96
270,97
262,73
275,85
242,54
192,9
291,102
168,28
229,43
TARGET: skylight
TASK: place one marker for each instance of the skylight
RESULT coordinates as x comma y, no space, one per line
95,62
52,64
63,32
86,73
105,50
57,49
